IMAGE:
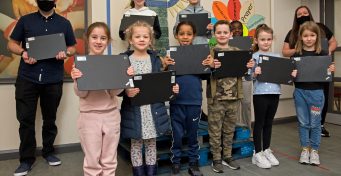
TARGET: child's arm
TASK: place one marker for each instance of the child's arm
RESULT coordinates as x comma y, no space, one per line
331,67
166,61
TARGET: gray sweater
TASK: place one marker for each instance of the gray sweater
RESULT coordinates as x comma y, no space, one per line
190,9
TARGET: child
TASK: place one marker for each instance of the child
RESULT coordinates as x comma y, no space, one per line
99,119
265,102
193,8
237,30
138,7
309,97
185,110
223,97
142,124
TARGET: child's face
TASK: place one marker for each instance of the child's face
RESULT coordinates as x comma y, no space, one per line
222,34
139,3
193,2
140,38
237,29
309,38
264,41
98,41
185,35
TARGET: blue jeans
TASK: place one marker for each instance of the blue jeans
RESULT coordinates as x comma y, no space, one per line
309,105
185,120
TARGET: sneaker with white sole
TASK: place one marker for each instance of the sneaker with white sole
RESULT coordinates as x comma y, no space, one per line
53,160
314,158
23,169
304,158
271,158
260,160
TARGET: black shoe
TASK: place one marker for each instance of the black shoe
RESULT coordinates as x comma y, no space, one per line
53,160
23,169
231,164
176,170
138,171
193,169
217,166
324,132
151,170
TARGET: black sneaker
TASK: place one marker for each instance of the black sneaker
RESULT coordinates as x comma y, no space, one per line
175,170
53,160
324,132
217,166
23,169
231,164
193,170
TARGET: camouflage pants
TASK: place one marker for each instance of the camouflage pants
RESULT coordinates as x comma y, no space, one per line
222,117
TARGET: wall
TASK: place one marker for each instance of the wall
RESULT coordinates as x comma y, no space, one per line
68,110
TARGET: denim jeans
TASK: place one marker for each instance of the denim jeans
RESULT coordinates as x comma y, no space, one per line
309,105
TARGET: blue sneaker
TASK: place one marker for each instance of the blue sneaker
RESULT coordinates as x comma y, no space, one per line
23,169
53,160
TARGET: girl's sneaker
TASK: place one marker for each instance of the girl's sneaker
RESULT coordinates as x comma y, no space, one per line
314,158
304,159
271,158
260,160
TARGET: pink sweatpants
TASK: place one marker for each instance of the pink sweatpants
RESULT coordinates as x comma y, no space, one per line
99,135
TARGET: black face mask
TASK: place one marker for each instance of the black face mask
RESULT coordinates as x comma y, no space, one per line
45,6
303,19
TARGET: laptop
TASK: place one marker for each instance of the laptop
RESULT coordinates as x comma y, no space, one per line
188,59
233,63
313,68
128,20
200,21
102,72
276,69
154,88
45,46
243,43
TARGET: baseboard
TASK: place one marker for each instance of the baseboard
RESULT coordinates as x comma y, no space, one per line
64,148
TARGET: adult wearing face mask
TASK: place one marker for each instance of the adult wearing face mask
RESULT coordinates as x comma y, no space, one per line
39,79
303,14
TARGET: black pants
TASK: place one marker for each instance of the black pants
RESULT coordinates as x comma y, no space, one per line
27,94
265,107
325,107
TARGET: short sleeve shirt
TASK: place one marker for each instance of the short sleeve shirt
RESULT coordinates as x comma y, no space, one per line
32,25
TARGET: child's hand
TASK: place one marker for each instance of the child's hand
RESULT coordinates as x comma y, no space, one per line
258,71
130,71
168,61
208,61
132,92
331,67
217,63
176,89
250,64
294,73
75,73
210,27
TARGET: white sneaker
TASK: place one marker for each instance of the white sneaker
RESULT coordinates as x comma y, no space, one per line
260,160
271,158
304,159
314,158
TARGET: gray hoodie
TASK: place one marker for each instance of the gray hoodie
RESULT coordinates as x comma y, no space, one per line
190,9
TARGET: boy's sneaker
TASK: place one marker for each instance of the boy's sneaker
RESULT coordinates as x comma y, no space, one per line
23,169
260,160
271,158
217,166
324,132
175,170
314,158
53,160
193,169
231,164
304,159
